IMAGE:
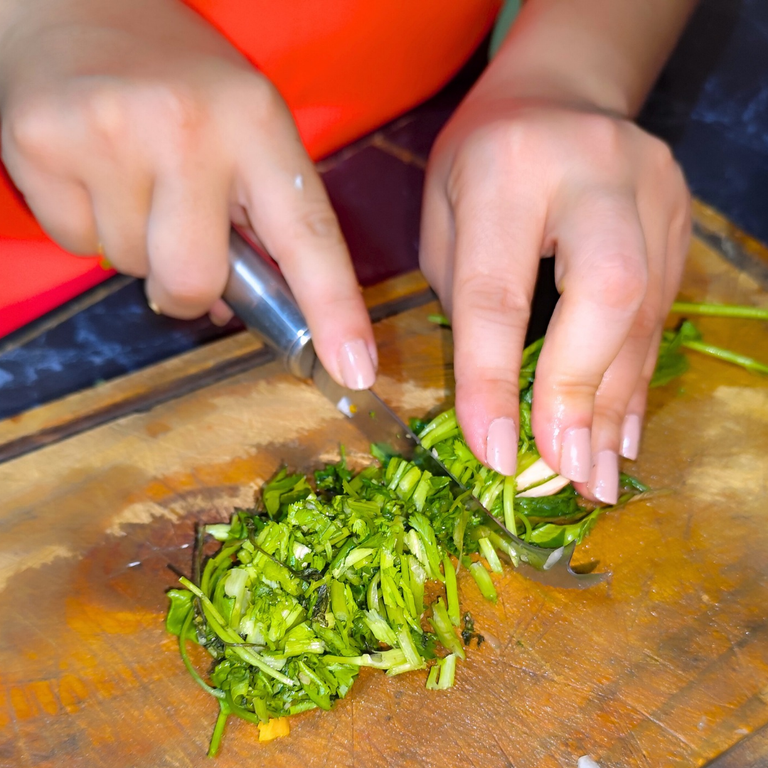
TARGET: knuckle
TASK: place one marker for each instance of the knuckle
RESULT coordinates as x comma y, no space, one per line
191,289
104,107
484,383
663,159
609,410
181,111
492,150
319,222
571,387
262,99
494,302
620,283
646,321
29,127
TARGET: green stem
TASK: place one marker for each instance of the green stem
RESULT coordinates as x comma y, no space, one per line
243,714
508,503
483,580
218,625
221,560
720,310
218,730
528,530
451,591
727,356
217,692
441,623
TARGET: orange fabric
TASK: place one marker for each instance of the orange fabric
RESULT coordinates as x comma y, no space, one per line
344,68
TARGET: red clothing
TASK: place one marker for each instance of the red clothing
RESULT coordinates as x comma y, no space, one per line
344,68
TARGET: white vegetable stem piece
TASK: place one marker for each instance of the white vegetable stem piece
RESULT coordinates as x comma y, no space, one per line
550,488
531,482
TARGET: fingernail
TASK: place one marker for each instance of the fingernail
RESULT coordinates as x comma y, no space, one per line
153,306
604,480
501,446
630,436
576,454
357,369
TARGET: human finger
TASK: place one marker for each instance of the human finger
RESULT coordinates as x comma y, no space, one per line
187,243
290,212
498,243
677,241
602,273
437,240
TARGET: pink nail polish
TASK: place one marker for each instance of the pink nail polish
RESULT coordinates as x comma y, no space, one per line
501,446
630,436
604,480
576,454
357,369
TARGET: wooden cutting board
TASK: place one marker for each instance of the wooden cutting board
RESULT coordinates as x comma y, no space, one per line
666,665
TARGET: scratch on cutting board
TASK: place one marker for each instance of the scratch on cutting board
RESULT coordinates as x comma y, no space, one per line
410,395
213,431
743,402
14,562
141,513
144,512
728,477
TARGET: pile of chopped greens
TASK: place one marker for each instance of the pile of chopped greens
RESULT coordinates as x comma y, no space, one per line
332,574
347,570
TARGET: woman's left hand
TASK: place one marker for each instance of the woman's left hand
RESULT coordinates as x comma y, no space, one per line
512,180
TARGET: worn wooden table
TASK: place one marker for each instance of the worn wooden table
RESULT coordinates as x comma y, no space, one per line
666,665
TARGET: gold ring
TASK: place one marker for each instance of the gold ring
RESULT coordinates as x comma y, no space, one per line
104,262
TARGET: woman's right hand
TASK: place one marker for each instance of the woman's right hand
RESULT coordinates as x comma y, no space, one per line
132,127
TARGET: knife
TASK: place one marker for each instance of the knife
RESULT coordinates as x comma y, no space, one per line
258,294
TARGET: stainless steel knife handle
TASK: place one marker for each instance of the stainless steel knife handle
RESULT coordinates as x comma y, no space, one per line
258,294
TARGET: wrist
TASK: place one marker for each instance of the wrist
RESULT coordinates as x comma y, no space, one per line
520,75
602,55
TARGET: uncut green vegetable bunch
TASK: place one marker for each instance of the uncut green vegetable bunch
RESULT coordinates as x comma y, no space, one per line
331,576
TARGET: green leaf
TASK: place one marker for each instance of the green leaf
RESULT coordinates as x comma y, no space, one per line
178,610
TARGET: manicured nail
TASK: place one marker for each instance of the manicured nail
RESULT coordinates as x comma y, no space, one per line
357,369
576,454
630,436
501,446
604,480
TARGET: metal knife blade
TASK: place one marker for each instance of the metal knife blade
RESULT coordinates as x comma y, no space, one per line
382,426
259,295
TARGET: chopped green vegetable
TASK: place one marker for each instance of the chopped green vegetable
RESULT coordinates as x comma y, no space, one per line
330,574
439,320
483,579
451,591
442,674
443,627
489,553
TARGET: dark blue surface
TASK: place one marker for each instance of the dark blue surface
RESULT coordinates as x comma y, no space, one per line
711,104
115,336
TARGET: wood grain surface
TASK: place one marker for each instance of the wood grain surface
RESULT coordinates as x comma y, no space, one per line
147,387
666,665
